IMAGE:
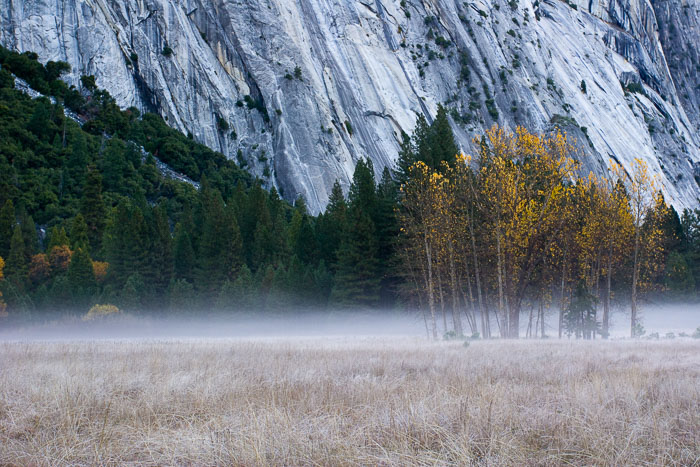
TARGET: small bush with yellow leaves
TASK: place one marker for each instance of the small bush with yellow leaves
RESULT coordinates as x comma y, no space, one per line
100,311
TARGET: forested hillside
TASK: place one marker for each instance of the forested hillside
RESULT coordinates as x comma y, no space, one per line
88,218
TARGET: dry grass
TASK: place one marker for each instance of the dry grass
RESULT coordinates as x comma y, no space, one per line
340,402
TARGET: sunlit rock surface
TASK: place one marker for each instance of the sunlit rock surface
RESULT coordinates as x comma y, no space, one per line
367,68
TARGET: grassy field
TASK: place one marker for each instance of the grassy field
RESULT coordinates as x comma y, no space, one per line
340,401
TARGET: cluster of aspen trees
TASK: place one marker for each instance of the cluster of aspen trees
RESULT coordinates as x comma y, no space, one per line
519,230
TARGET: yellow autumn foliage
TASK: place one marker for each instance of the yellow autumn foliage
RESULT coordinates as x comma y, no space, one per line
101,311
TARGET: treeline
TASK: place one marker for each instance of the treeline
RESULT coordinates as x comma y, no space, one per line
520,230
86,218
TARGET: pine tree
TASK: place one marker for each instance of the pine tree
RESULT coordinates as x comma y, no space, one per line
407,157
332,225
356,279
93,209
220,246
31,239
7,223
244,289
75,164
183,255
387,232
81,276
16,264
182,296
160,253
39,122
302,239
126,243
363,190
79,233
57,237
422,140
441,140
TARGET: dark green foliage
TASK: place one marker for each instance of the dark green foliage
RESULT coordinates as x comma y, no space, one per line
92,208
441,140
358,269
221,123
633,87
81,277
356,280
7,223
387,225
183,254
220,248
431,144
29,235
406,159
182,296
57,237
16,263
79,233
363,190
133,293
442,42
126,243
579,317
331,225
679,278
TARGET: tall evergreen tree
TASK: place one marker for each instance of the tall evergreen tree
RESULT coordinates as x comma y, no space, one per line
363,190
160,253
126,244
407,157
31,239
75,164
422,141
220,247
93,209
16,264
40,121
333,224
7,224
79,233
57,237
441,141
183,254
81,277
387,233
302,239
357,281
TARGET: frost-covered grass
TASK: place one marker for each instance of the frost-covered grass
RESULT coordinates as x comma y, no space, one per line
342,401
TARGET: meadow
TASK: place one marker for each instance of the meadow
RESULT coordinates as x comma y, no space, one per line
349,401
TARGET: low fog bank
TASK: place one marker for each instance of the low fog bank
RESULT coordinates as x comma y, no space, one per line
655,318
661,319
302,324
675,318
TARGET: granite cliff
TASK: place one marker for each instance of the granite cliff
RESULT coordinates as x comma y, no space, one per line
298,90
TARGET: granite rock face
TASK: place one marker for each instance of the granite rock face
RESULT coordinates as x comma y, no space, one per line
306,87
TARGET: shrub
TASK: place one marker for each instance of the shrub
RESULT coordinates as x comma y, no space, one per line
167,51
348,126
100,311
442,42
